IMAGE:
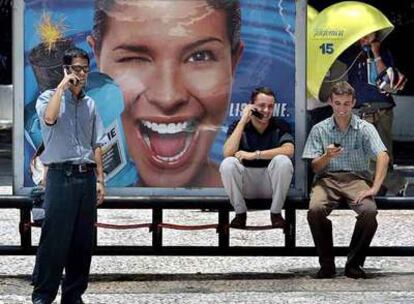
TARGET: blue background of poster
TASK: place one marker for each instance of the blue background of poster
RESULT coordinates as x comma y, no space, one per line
268,33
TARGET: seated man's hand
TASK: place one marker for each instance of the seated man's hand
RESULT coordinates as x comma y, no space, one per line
364,194
241,155
332,151
246,114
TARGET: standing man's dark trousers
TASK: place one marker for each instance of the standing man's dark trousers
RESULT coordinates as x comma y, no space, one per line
326,194
67,236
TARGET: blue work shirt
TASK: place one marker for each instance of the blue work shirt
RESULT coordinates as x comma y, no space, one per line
358,77
360,142
77,132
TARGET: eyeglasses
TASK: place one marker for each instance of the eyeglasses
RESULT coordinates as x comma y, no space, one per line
78,68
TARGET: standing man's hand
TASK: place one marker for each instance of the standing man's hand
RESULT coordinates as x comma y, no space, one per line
402,80
68,80
100,193
53,107
375,47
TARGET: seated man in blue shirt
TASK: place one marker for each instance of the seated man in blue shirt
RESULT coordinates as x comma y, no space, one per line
339,148
72,133
257,158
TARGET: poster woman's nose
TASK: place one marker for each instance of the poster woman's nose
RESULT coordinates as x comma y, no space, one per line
167,89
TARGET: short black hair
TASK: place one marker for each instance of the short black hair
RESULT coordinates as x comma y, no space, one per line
262,90
74,52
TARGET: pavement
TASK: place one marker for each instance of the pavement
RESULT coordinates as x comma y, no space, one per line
199,280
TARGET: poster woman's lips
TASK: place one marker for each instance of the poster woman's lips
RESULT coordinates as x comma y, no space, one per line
169,142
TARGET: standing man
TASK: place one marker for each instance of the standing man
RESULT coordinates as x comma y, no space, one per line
257,158
72,132
367,60
339,148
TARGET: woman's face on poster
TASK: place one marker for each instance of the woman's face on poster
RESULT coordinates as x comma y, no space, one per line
173,62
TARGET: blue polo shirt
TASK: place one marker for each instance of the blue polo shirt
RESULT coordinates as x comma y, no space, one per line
358,77
276,134
77,132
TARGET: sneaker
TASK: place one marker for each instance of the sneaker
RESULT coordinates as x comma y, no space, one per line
239,221
277,220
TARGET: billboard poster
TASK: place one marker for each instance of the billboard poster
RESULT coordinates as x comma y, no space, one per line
168,78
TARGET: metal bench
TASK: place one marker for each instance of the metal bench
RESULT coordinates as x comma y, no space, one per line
220,205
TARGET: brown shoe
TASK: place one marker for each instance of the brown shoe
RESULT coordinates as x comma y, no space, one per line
239,221
277,220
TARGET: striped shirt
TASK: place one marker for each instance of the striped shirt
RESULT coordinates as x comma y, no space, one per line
77,132
360,142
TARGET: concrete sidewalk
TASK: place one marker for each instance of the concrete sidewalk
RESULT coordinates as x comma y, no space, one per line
292,286
205,280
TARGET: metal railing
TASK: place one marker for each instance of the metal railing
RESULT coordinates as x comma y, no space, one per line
220,205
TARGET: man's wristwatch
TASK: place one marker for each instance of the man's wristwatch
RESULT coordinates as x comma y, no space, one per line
258,153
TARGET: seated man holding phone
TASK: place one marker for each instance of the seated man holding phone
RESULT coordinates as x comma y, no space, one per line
257,158
339,148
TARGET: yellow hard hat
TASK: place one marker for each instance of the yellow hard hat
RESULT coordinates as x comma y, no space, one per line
336,28
311,14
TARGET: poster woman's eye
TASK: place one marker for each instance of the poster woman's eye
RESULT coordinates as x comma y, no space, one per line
201,56
133,59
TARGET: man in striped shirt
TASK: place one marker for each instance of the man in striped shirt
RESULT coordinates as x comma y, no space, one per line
339,149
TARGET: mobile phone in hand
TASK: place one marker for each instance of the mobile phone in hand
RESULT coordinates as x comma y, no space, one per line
337,145
73,82
257,114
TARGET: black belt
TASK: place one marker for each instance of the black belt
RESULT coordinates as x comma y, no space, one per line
81,168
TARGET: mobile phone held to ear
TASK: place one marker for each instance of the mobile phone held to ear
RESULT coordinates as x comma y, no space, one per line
73,82
257,114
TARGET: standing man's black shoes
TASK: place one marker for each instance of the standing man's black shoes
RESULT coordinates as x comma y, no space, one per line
355,272
326,272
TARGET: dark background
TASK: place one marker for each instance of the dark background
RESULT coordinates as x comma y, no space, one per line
400,41
5,41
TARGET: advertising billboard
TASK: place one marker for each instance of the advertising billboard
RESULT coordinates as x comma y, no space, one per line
168,78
